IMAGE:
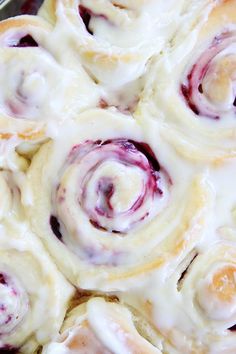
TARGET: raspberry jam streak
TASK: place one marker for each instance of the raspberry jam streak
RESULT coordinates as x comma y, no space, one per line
31,7
86,14
13,306
204,90
119,184
26,41
8,349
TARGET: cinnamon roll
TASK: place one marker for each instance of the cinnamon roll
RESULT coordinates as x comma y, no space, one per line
114,39
201,297
94,96
32,101
99,326
194,88
33,295
104,195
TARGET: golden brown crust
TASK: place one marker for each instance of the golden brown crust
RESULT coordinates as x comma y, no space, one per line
24,130
220,16
23,21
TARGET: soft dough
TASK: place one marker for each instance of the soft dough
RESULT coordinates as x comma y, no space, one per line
201,312
34,295
104,194
37,93
102,327
192,88
115,39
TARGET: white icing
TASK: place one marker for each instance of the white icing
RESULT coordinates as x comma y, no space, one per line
198,199
125,35
134,25
14,302
33,295
104,328
30,89
216,308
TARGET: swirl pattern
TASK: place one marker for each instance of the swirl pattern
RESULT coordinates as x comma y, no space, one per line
196,94
25,296
203,292
30,102
109,194
16,308
117,159
209,87
118,184
114,331
109,35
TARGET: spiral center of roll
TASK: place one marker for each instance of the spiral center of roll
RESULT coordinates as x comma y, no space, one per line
13,303
121,183
26,88
217,293
218,83
114,188
116,184
210,88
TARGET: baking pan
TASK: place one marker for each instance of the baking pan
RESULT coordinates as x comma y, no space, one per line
9,8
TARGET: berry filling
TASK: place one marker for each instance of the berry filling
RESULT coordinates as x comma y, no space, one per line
232,329
3,279
86,16
187,93
209,86
55,226
13,306
119,184
26,41
7,349
31,7
106,186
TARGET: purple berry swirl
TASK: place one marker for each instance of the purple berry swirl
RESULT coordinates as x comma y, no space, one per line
111,187
14,306
210,86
